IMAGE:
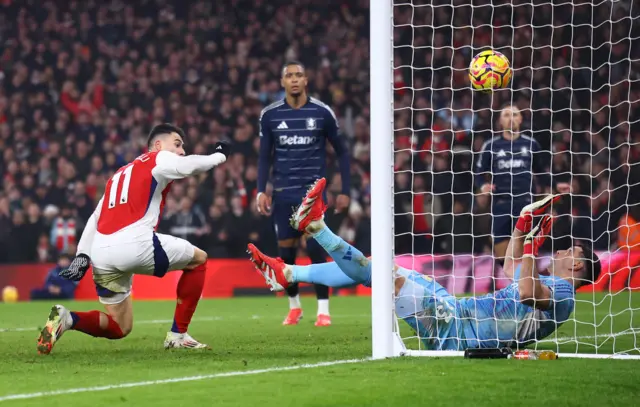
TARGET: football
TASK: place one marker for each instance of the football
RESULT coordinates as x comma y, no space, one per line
490,70
9,294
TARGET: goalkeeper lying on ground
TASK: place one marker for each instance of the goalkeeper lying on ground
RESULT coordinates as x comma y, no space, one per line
529,309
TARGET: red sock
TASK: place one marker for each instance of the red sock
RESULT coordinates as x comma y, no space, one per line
89,323
189,291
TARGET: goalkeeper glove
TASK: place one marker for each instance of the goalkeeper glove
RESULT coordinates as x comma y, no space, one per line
78,268
525,221
536,237
223,147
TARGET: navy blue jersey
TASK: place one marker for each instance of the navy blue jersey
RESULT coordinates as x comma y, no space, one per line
294,140
510,165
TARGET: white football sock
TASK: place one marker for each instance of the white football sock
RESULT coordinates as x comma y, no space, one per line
288,273
315,226
294,302
323,307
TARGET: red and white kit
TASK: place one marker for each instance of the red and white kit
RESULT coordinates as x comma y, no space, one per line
120,236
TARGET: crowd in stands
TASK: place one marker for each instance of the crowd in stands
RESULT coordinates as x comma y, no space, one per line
82,82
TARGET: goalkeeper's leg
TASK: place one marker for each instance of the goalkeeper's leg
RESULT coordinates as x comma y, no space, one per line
350,260
309,217
279,275
350,266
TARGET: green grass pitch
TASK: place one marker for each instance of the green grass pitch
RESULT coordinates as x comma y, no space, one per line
246,335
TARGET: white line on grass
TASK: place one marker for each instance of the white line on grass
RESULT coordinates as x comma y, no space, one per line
568,339
562,339
196,319
145,322
174,380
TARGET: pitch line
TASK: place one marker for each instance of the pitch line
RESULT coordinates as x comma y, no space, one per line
24,396
562,339
196,319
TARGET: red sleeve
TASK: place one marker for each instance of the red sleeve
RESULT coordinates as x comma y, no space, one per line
98,96
69,104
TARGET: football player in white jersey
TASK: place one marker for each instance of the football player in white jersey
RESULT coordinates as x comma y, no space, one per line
120,241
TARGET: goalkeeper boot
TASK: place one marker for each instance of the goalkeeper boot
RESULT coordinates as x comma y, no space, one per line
58,322
312,207
273,270
175,340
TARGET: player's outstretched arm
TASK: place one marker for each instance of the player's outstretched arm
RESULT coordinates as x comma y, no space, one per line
515,248
172,166
513,254
532,291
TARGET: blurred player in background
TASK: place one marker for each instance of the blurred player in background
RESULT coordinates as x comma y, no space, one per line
509,166
529,309
293,136
119,240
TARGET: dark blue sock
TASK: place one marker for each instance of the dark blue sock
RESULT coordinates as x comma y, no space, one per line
74,318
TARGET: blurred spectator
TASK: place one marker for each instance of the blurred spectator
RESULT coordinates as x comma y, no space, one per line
5,229
56,287
453,230
64,230
21,244
240,228
188,222
629,233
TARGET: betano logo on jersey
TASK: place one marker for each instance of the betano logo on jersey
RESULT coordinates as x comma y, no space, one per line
296,140
510,164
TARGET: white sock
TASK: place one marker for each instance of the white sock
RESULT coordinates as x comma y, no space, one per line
315,226
323,307
294,302
288,274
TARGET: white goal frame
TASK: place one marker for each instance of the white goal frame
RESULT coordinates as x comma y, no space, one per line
386,340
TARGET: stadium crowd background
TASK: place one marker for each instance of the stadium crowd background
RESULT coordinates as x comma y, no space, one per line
82,82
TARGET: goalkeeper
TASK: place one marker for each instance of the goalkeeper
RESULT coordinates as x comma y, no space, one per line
529,309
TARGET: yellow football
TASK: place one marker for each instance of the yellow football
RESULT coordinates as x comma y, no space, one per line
490,70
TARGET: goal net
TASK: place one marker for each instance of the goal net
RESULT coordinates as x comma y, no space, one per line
576,84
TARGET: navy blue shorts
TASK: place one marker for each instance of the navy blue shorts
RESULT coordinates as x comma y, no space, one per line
504,218
281,213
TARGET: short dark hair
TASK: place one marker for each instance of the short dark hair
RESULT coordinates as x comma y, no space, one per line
290,63
592,266
163,129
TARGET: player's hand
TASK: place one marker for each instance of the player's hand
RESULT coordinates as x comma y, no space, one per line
536,237
264,204
223,147
78,268
564,187
342,203
486,188
525,221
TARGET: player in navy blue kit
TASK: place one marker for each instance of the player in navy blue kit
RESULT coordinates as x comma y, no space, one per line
293,136
508,167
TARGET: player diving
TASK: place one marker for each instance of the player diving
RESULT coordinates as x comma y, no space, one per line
531,308
120,241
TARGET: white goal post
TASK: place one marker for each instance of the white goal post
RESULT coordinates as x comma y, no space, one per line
382,150
607,324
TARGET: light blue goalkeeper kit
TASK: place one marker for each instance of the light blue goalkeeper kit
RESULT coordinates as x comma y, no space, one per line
442,321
